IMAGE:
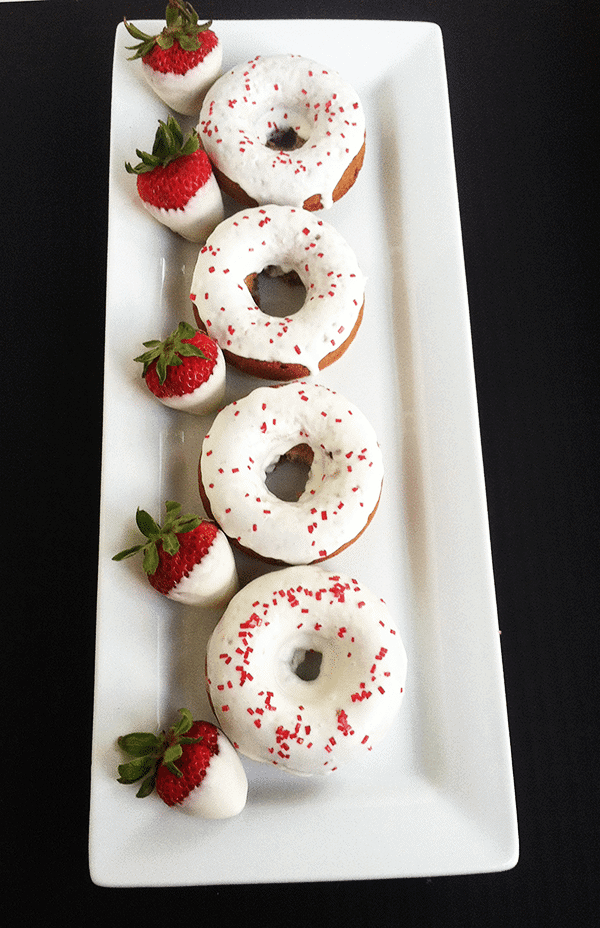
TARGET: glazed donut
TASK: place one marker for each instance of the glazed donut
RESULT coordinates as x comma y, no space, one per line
283,130
306,670
306,422
291,241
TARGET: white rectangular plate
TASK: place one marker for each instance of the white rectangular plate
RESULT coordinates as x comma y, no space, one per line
437,796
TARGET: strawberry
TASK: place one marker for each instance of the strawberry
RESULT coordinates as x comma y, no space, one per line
183,61
186,371
193,767
176,183
188,559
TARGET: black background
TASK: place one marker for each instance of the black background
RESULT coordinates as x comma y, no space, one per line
523,85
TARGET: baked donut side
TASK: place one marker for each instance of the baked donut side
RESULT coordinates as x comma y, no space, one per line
247,440
306,670
284,129
293,241
279,370
313,202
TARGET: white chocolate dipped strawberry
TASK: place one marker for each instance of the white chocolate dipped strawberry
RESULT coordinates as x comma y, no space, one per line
193,767
186,371
183,61
187,559
176,183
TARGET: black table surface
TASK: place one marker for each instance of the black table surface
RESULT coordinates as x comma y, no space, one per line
522,77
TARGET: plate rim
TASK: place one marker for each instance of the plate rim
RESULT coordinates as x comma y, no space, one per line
510,854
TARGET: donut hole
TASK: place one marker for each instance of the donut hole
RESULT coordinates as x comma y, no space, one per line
286,478
276,292
284,139
284,128
306,663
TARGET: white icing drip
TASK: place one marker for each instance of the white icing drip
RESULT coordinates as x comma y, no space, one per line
184,93
224,789
291,239
198,218
245,105
207,397
342,489
306,726
213,581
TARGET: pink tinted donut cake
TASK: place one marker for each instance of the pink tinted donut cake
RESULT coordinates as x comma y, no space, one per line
305,670
292,241
305,422
283,129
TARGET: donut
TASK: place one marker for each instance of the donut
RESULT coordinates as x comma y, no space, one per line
305,670
283,129
290,241
304,422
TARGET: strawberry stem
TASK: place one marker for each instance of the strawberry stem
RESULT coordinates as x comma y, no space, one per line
166,536
170,352
169,145
149,750
181,26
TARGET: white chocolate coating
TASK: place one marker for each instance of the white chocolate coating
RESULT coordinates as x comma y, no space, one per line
248,104
305,726
224,789
198,218
344,484
207,397
213,581
293,240
184,93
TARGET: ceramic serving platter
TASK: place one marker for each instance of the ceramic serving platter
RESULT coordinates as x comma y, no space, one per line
436,797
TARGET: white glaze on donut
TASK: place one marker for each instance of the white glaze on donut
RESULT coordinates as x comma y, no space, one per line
270,713
246,440
293,240
255,99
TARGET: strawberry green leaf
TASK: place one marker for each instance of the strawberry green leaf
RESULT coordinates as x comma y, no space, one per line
181,24
189,351
165,41
161,368
187,524
146,524
136,33
189,43
172,753
128,552
150,750
172,507
184,724
136,769
140,743
168,145
174,524
185,330
169,352
151,560
170,543
171,15
147,787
